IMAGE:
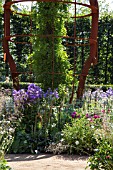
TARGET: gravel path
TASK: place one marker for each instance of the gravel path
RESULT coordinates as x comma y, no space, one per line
46,162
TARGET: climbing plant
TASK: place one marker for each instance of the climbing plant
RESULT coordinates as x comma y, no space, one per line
50,60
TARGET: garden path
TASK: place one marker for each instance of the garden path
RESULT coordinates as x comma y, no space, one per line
46,162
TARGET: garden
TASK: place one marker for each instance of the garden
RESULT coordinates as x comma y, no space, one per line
51,112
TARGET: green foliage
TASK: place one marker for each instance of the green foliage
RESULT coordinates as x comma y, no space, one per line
79,136
50,61
103,157
37,119
38,131
23,142
4,166
6,85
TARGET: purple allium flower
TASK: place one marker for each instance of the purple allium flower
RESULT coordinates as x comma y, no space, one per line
91,120
87,115
96,116
78,116
103,111
73,115
108,110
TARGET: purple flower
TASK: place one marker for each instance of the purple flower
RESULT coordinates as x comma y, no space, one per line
103,111
34,92
20,97
87,115
103,95
91,120
108,110
73,115
48,93
96,116
78,116
109,92
56,95
51,94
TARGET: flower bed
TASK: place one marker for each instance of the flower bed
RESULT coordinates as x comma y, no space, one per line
50,124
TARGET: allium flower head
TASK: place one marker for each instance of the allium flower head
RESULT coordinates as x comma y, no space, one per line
87,115
103,111
78,116
96,116
73,115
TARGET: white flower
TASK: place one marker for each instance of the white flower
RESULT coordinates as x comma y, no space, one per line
95,150
53,143
92,127
53,125
11,130
77,142
2,132
89,163
36,151
7,80
59,144
62,140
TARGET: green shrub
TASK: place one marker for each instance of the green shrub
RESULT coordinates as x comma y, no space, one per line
3,165
103,157
79,136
